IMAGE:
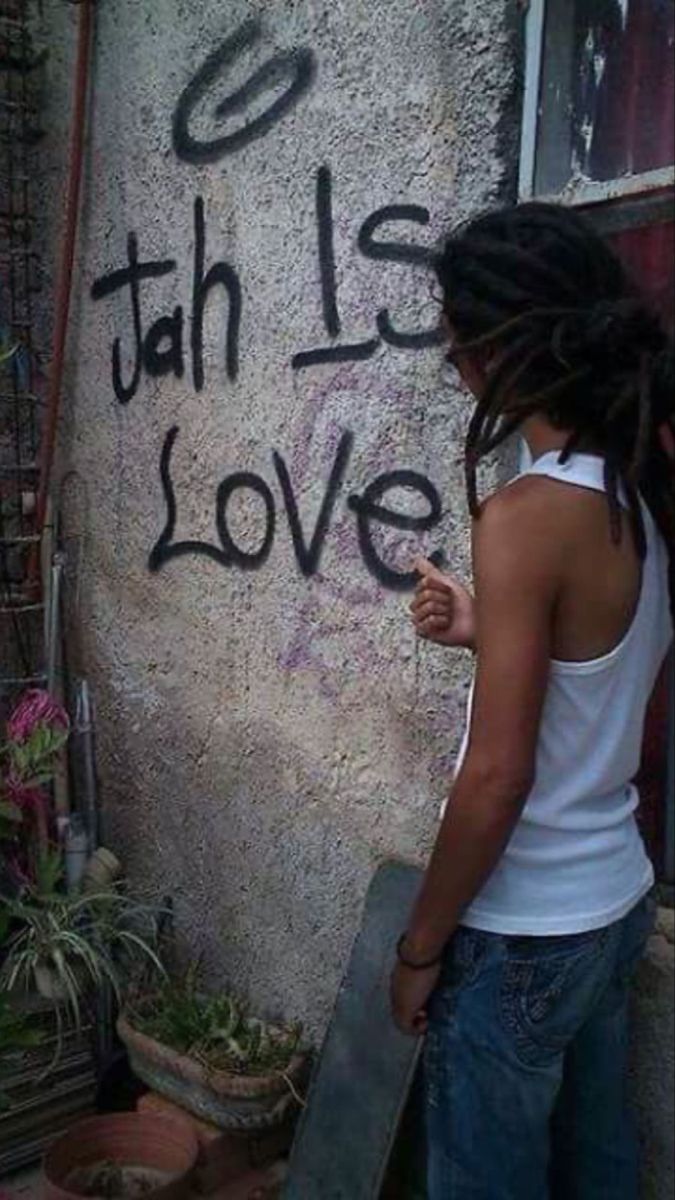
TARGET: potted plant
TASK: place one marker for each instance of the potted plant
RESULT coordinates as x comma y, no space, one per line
18,1032
66,947
122,1156
207,1054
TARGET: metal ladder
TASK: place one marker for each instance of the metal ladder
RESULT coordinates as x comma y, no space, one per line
22,605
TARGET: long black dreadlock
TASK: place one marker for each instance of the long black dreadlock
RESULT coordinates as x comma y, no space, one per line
574,342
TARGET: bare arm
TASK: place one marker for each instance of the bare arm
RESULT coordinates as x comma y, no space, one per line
516,576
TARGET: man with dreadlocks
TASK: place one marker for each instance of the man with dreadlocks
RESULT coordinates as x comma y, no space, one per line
536,904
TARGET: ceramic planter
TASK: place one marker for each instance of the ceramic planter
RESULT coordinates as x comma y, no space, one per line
49,985
161,1149
232,1102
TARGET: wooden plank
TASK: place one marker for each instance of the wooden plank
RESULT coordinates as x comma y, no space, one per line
366,1066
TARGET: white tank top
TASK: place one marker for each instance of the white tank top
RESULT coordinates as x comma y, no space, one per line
576,860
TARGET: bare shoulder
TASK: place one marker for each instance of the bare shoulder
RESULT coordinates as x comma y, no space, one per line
523,526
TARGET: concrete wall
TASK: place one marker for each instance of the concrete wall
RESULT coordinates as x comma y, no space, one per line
266,735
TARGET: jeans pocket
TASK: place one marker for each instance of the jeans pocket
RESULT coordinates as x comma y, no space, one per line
461,966
545,992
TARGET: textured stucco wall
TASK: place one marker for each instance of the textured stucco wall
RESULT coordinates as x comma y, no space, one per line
264,737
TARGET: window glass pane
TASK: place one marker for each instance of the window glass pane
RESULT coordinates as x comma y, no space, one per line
607,91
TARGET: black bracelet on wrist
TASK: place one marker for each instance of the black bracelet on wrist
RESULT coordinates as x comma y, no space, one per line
415,966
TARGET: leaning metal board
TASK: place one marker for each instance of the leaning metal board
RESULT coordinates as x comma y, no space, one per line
366,1067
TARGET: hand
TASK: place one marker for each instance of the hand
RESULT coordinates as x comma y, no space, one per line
443,609
410,993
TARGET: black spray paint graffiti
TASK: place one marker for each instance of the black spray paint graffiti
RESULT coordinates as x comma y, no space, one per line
160,350
168,330
296,68
368,508
380,251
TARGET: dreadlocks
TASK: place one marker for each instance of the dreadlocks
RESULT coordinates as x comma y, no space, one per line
571,341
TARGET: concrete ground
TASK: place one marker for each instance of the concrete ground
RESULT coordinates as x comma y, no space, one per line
257,1185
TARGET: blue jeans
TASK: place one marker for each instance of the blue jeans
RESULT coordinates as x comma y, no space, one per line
525,1066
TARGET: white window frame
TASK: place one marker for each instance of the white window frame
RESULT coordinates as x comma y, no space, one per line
578,190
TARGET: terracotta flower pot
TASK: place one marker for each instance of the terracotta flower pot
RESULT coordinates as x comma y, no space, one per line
247,1103
157,1150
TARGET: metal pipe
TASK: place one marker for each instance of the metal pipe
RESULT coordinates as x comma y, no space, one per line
85,762
53,625
55,680
46,564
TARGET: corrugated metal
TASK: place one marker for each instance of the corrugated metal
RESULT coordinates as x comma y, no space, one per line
44,1102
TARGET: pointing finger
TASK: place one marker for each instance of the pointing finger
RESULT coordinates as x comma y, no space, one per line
423,565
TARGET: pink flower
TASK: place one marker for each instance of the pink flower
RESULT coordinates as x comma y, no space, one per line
33,803
35,707
25,797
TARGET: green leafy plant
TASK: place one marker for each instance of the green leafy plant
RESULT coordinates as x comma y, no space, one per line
37,731
67,946
10,819
33,759
49,871
215,1030
18,1032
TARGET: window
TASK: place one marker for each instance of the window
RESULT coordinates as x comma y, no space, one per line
599,133
599,116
